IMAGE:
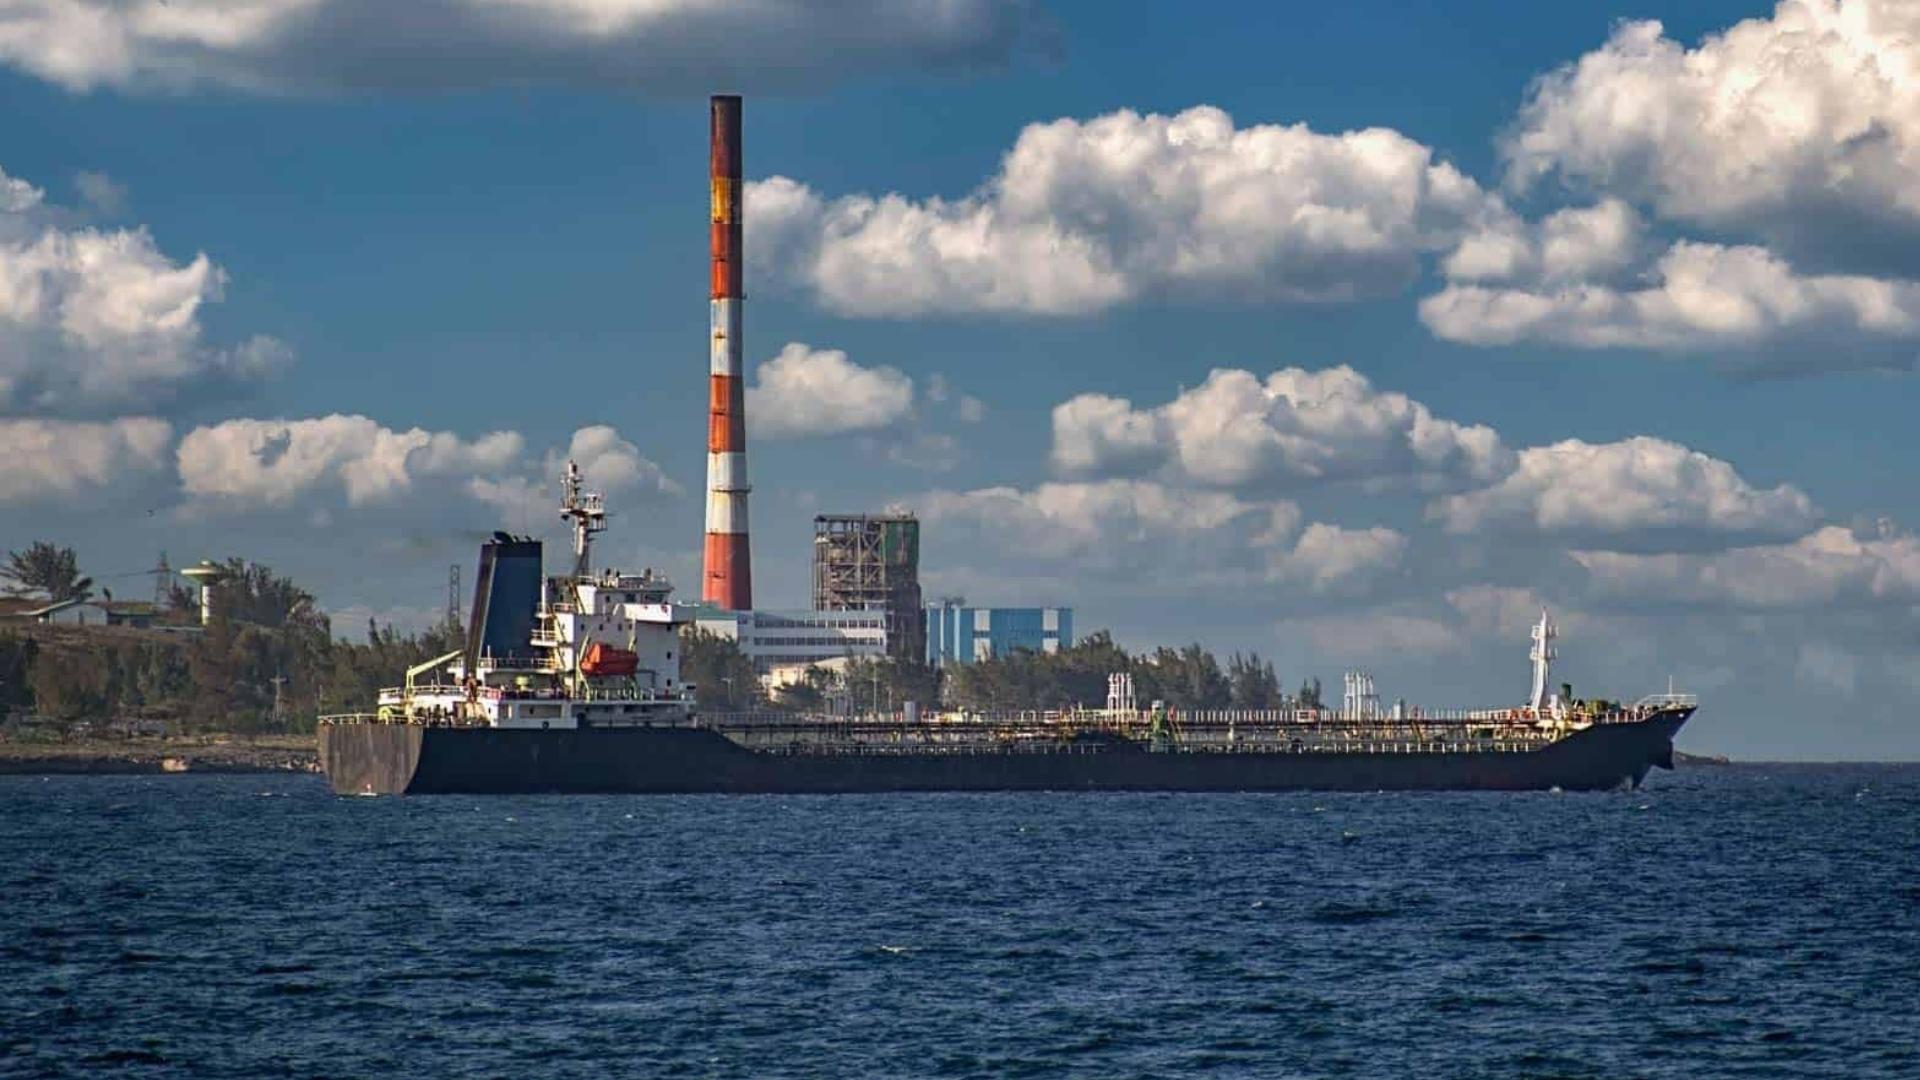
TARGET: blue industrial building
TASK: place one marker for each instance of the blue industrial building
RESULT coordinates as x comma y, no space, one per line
961,635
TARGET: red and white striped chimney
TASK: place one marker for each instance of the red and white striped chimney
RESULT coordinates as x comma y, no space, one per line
728,579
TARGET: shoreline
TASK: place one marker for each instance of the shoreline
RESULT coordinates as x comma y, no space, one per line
164,756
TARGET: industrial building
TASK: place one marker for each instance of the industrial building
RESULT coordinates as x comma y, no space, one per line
871,563
957,634
775,639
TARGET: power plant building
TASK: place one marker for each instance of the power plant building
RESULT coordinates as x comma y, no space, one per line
956,634
777,639
871,563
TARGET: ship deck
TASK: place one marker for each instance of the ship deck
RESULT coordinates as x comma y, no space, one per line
1213,732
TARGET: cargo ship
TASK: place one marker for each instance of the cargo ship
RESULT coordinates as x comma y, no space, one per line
571,683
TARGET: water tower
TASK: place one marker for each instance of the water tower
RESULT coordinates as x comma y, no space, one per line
206,573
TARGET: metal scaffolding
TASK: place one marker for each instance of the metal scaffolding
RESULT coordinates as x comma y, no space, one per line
871,562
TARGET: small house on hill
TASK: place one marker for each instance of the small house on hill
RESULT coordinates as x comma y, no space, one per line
17,609
132,613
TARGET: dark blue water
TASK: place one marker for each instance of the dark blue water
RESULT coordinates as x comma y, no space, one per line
1751,921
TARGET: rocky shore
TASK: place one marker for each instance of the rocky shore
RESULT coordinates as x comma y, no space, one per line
137,756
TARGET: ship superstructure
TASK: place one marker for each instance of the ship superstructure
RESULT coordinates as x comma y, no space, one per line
585,648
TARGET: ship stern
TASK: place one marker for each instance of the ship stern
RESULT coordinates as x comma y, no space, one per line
368,758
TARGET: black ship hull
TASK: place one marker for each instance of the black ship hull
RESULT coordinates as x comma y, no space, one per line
393,759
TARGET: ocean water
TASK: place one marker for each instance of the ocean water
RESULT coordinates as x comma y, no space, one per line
1755,921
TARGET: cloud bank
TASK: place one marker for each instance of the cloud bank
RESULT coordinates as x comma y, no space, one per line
67,460
1086,215
1295,427
670,46
275,462
1812,112
1640,493
97,319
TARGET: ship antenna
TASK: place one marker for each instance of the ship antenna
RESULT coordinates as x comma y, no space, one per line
586,511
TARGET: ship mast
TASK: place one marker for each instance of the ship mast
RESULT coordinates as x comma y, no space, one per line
586,511
1542,656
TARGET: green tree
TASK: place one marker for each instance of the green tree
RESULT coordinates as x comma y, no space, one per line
69,692
810,693
1187,678
1253,683
1074,677
46,568
253,593
17,656
722,676
886,684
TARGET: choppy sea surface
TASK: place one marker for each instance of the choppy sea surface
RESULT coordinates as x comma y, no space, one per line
1740,921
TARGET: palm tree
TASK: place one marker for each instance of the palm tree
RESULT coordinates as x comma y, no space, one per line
50,569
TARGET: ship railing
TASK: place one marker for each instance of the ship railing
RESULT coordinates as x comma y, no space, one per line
515,663
795,747
1667,701
1099,721
423,689
798,733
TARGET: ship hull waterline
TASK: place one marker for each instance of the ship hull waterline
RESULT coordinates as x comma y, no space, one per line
411,759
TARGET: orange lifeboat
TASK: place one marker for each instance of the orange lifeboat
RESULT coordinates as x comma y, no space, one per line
603,659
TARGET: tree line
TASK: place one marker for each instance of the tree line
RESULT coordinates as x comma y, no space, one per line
268,661
1185,678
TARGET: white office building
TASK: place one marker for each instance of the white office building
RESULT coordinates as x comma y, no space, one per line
777,639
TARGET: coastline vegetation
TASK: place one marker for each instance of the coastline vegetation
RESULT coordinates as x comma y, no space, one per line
269,662
1075,677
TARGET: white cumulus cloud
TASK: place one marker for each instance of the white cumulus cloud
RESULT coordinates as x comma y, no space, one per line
808,392
93,319
1580,243
608,463
1159,537
1295,427
1085,215
61,459
1697,296
611,464
1066,519
674,46
1770,124
1830,568
1637,494
1329,557
275,462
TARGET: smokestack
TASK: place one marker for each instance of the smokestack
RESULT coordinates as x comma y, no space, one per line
728,579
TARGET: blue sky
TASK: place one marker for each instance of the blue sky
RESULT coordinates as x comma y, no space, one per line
420,236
